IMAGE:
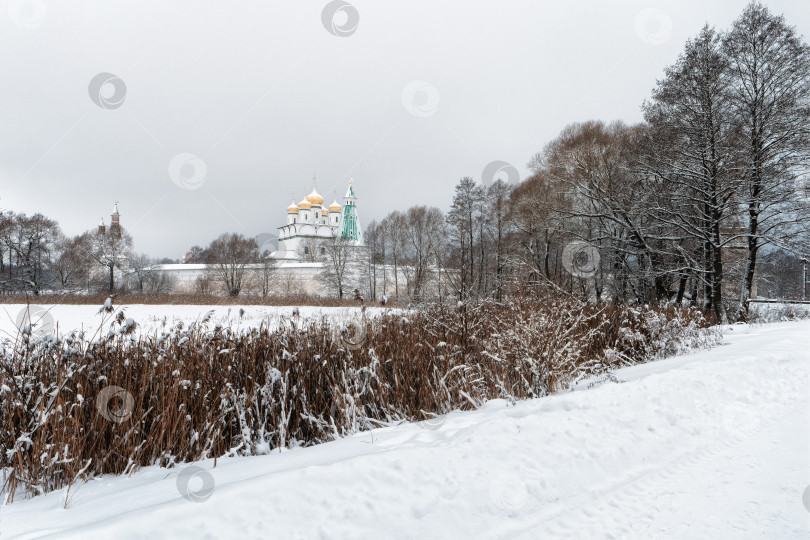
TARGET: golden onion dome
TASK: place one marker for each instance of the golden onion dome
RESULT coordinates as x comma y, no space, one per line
335,207
304,204
293,207
315,197
324,211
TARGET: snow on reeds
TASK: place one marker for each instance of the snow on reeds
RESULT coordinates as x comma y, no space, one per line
80,405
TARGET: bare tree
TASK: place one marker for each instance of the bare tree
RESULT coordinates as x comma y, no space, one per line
146,277
335,253
70,263
605,207
770,65
141,268
267,274
289,282
204,284
31,241
421,233
229,256
6,229
111,249
463,227
374,255
694,151
499,208
393,227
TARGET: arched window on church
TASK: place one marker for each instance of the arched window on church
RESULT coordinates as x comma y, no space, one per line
306,250
323,251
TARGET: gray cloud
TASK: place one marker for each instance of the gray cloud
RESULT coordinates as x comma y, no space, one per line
265,96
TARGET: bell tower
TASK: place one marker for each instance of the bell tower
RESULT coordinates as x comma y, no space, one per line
115,223
351,223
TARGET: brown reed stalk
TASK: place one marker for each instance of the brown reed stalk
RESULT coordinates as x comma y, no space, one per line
194,392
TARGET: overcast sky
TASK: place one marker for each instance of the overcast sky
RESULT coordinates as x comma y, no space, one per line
214,112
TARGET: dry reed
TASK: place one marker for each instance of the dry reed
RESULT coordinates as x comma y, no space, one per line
78,406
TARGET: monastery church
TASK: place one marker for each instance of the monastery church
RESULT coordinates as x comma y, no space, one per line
309,223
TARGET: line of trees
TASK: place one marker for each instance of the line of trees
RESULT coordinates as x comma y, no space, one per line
682,207
698,203
36,256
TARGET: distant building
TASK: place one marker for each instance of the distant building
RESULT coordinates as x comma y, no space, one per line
310,222
297,262
115,223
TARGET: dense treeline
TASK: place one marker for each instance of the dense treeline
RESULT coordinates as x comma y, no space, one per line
693,204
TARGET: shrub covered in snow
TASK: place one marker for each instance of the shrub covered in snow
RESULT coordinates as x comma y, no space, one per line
76,406
777,312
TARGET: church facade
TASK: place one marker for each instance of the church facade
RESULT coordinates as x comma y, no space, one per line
298,262
310,222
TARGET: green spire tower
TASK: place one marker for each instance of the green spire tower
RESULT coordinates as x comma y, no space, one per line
351,223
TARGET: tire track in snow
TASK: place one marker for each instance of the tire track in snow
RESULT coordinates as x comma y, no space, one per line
626,505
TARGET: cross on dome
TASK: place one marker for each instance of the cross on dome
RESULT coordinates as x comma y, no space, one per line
293,207
314,197
334,207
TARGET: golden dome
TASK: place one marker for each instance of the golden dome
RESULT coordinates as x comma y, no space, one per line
304,204
324,212
293,207
315,197
334,207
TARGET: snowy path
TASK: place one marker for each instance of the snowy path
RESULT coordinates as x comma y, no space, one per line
711,445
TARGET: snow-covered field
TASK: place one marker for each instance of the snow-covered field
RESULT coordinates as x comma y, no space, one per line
710,445
66,318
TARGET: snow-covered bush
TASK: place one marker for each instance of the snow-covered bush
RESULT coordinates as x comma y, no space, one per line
776,312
